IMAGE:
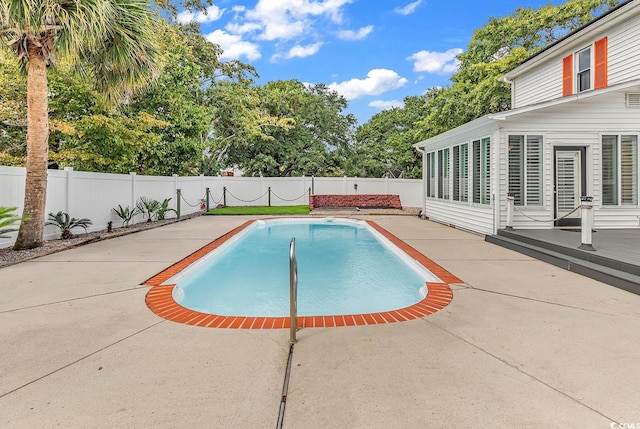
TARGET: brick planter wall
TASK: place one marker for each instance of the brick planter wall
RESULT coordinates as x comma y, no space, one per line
359,200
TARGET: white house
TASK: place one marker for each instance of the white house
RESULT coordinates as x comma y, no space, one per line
572,131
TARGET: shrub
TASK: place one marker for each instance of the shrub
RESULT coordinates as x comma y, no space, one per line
8,220
164,209
66,223
126,214
148,207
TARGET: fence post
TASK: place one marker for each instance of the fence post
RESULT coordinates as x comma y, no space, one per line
586,223
510,207
269,198
312,185
178,195
68,178
224,196
207,192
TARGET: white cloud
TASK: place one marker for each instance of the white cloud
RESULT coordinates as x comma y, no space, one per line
408,9
355,35
233,45
287,19
299,51
246,27
377,82
386,104
436,62
212,14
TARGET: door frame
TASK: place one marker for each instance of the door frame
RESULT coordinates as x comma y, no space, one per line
582,184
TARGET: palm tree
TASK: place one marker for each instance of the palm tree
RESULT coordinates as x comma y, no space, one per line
111,42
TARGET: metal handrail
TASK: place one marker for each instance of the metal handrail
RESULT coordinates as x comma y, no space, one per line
293,291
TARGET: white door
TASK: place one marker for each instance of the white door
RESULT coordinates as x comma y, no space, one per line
568,178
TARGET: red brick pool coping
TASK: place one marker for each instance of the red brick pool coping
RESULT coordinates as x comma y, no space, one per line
160,300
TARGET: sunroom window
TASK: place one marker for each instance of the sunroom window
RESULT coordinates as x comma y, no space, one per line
482,171
525,169
619,170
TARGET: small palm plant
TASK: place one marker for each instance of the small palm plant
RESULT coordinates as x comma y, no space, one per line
66,223
148,206
164,209
8,220
125,214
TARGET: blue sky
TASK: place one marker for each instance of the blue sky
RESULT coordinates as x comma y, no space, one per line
374,52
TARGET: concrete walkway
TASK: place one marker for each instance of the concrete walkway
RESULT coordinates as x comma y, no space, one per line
522,344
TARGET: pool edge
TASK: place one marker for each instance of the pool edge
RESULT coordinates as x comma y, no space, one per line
160,300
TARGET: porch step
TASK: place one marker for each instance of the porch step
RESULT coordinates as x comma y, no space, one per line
606,270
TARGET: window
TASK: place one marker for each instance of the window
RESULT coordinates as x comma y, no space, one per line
443,174
431,174
461,172
525,169
584,69
619,170
579,67
482,171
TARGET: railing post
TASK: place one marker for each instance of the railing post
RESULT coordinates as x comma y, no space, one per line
510,208
293,292
269,198
224,196
586,223
178,197
312,185
207,196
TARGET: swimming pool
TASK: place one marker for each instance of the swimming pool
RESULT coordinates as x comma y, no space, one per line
350,272
344,266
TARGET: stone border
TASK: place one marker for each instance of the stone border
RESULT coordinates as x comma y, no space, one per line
159,299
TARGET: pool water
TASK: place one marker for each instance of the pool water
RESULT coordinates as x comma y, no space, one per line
344,267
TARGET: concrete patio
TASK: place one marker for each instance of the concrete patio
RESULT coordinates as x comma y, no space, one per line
523,344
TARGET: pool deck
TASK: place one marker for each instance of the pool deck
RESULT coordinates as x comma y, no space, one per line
522,344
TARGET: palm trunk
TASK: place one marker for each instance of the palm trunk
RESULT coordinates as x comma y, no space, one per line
35,195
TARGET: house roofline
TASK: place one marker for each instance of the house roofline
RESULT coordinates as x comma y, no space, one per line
602,20
502,116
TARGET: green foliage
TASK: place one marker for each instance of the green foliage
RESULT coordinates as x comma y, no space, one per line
163,209
384,144
294,129
260,210
8,220
66,223
148,206
494,50
125,214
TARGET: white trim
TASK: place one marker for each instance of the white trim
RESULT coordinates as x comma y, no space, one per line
582,37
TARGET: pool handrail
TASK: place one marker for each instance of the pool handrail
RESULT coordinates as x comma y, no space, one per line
293,291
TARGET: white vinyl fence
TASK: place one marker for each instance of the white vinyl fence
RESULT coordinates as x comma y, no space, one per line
94,195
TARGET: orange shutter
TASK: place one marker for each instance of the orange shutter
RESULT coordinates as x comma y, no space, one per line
601,71
567,75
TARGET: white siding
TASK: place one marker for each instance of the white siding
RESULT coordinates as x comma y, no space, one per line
474,217
544,82
581,123
540,84
624,51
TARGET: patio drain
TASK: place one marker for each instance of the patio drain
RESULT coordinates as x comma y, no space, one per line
285,389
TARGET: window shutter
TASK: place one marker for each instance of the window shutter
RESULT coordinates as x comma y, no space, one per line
534,170
516,168
464,172
567,75
629,170
601,69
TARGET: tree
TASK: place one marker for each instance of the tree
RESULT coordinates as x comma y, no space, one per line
296,129
384,144
111,39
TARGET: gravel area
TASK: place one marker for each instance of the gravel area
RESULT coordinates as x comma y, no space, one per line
8,256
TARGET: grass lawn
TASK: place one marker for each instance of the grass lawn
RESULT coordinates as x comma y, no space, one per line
260,210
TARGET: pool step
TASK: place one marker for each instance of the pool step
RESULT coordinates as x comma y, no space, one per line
606,270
